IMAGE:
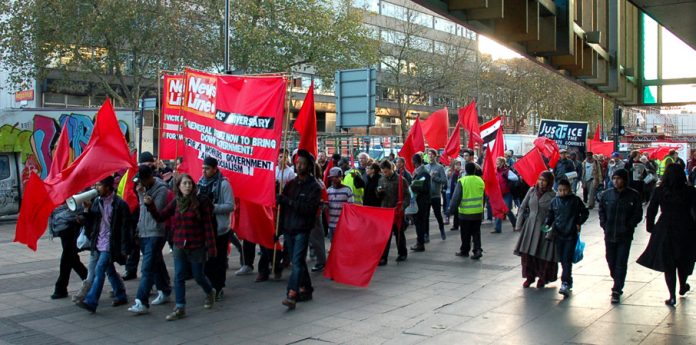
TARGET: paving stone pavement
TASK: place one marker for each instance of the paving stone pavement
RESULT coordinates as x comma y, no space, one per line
432,298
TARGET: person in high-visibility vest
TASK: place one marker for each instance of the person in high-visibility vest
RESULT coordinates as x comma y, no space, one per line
669,159
353,179
467,201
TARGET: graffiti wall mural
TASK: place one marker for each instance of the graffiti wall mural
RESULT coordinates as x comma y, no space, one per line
34,145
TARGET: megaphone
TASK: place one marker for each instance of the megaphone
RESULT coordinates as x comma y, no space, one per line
74,201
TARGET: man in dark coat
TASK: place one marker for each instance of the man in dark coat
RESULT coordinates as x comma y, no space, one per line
421,187
620,211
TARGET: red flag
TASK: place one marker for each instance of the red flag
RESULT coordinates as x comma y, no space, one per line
453,146
659,152
255,223
549,149
105,153
34,213
531,166
306,123
325,178
597,134
361,235
413,144
495,196
61,156
499,145
435,129
468,117
605,148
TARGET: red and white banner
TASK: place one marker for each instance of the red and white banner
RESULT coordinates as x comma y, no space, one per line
171,142
237,120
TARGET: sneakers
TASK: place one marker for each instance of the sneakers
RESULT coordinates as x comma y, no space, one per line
178,313
139,308
401,258
246,269
418,248
82,292
615,297
160,299
59,295
209,300
219,295
317,268
564,290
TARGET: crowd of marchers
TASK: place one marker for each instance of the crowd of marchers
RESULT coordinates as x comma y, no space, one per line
191,219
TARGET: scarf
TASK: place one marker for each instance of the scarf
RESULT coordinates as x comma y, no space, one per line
183,202
205,184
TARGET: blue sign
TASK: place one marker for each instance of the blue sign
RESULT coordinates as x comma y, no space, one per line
356,100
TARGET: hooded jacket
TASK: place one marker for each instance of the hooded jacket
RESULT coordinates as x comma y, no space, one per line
220,192
147,225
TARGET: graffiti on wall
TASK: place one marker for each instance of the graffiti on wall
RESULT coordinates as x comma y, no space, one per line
35,145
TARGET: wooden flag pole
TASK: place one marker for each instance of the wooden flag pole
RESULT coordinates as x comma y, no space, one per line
288,97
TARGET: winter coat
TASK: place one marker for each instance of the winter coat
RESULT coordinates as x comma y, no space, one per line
421,189
147,225
300,202
120,235
673,238
501,175
370,198
530,219
619,213
565,215
220,192
563,167
438,179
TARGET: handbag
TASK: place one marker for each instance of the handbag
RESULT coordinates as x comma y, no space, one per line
412,206
649,178
579,251
82,241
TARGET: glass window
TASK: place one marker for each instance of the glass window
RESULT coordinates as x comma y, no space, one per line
677,57
393,37
679,93
649,48
445,25
394,11
441,48
372,31
421,43
4,167
369,5
421,18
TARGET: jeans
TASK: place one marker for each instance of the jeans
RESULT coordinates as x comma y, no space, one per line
400,243
470,230
510,215
153,269
574,186
436,204
69,260
105,267
566,250
422,222
316,239
617,259
299,277
196,259
216,267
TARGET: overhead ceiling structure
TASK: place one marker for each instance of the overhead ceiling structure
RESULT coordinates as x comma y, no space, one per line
595,42
677,16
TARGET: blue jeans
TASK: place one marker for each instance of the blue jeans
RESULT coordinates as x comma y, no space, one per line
105,267
510,215
299,277
566,250
153,269
196,258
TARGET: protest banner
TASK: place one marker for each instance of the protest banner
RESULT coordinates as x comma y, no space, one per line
569,135
238,120
171,142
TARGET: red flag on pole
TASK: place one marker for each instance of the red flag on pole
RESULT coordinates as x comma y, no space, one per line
468,117
499,144
106,152
597,133
549,149
495,196
413,144
306,123
255,223
530,166
34,213
61,155
361,235
435,128
453,146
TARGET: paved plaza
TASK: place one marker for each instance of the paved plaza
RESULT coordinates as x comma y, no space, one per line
432,298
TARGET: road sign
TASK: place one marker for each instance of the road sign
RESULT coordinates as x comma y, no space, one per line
356,91
148,104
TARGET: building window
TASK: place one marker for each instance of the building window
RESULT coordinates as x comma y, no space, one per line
394,11
368,5
446,26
